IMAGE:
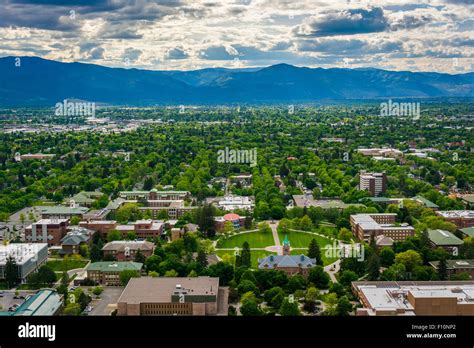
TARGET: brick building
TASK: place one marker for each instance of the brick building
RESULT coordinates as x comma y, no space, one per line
49,231
364,226
108,273
125,250
149,296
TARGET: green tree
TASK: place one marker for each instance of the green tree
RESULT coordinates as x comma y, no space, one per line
139,257
387,256
319,277
373,267
113,235
443,269
314,252
201,258
126,275
410,259
289,308
344,306
11,272
245,255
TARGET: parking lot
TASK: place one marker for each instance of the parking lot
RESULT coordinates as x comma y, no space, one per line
7,298
107,301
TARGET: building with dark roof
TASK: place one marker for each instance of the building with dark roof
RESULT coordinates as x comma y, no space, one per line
456,266
290,264
72,241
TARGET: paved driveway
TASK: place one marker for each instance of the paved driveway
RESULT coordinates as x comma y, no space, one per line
108,299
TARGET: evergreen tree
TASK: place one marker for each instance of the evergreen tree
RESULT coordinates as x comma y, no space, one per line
373,267
11,272
139,257
245,255
443,269
344,306
202,258
314,252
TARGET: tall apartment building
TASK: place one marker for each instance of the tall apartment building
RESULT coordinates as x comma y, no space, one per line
49,231
374,183
365,225
149,296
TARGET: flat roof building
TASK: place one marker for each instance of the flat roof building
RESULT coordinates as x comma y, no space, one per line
461,218
49,231
408,298
61,212
374,183
28,256
150,296
365,225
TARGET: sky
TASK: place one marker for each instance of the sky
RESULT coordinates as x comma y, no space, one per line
423,35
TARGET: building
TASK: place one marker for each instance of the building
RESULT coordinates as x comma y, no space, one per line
236,220
308,201
101,226
125,250
364,226
85,198
108,273
381,152
383,241
49,231
149,296
96,214
36,156
290,264
456,266
461,218
375,183
72,241
468,200
230,203
142,228
154,201
407,298
445,240
61,212
45,302
29,257
155,195
467,232
427,203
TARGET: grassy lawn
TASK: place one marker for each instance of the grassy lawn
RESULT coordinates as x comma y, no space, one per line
302,240
326,260
65,265
255,240
254,255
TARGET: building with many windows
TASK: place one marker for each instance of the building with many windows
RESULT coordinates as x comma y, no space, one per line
150,296
29,257
50,231
126,250
407,298
461,218
364,226
108,273
374,183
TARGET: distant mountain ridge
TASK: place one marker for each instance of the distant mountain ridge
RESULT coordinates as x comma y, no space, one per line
41,82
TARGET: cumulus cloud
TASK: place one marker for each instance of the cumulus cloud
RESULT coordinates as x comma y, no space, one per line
176,53
346,22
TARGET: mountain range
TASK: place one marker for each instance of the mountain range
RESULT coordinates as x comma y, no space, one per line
41,82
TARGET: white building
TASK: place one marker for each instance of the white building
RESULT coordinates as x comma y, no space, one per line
28,257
